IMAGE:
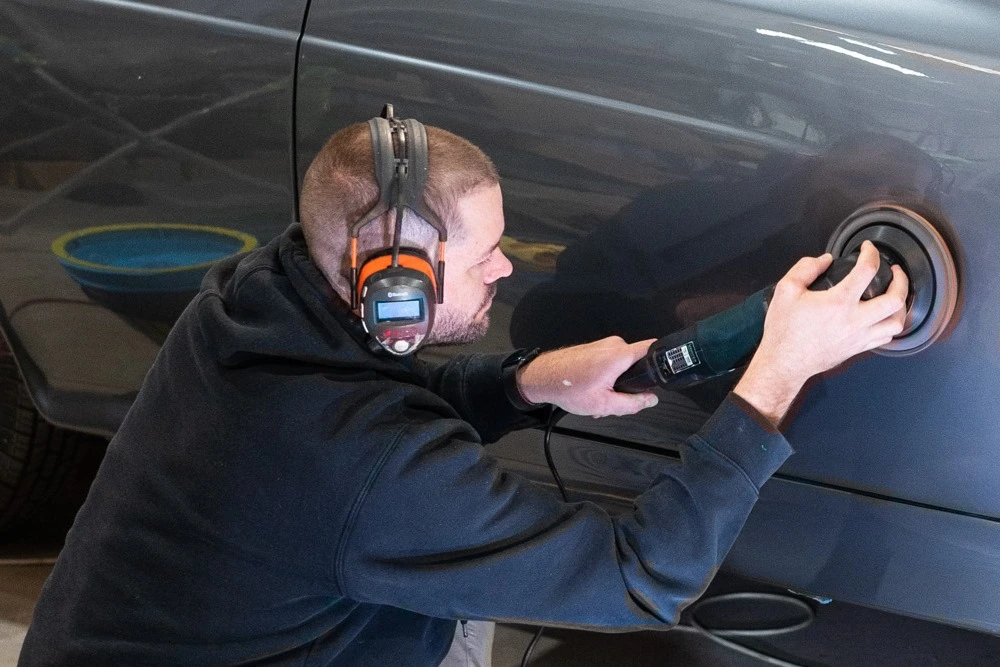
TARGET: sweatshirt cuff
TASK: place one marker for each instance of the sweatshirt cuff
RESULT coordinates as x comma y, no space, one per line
491,391
745,437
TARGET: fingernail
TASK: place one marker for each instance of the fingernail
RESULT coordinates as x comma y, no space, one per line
651,401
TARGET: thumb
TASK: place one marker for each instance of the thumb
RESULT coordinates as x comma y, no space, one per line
629,404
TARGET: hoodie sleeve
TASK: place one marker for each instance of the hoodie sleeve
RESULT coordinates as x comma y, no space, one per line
473,385
445,532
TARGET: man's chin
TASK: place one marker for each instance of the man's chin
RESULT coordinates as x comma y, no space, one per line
470,333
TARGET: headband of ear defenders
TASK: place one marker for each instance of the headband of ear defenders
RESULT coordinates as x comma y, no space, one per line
400,154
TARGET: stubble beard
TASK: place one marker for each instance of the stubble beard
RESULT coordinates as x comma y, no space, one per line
451,328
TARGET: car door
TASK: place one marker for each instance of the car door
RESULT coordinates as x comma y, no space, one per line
151,114
139,143
662,161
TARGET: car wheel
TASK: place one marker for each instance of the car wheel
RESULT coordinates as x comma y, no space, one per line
42,467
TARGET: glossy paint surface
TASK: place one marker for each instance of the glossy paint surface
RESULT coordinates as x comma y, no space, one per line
662,161
117,112
815,540
685,155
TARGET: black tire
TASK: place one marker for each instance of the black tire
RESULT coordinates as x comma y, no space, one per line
42,467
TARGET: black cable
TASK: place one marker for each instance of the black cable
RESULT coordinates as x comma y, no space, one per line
555,414
531,646
293,134
719,635
716,635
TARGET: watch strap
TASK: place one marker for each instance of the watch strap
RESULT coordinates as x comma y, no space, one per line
508,376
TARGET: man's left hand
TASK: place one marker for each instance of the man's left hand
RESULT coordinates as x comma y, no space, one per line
581,379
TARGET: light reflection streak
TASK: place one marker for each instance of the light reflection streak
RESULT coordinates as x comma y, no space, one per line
984,70
818,27
857,42
555,92
842,51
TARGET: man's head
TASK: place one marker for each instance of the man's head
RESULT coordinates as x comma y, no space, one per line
463,190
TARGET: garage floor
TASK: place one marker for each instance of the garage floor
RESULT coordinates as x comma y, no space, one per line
842,635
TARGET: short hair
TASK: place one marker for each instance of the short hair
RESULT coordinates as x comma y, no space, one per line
340,187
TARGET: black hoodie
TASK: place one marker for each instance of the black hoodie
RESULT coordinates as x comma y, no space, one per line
279,494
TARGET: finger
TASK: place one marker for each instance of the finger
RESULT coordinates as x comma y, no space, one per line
856,282
624,361
640,349
877,342
887,328
808,269
900,284
629,404
890,303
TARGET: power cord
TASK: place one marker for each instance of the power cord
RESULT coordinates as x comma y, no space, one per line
717,635
555,414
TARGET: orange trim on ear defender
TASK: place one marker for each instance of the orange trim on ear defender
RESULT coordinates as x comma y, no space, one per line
380,262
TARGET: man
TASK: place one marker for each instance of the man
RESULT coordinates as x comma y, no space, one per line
280,493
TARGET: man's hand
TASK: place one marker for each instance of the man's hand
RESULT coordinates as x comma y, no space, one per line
581,379
806,333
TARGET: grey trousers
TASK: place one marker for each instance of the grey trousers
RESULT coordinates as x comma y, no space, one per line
475,650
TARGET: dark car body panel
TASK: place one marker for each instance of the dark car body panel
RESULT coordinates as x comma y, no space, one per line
814,539
126,112
660,161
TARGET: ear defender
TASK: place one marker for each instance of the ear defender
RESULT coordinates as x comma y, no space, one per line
396,288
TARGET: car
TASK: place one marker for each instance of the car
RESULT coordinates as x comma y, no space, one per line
660,163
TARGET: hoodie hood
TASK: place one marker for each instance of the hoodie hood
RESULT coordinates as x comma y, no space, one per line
276,303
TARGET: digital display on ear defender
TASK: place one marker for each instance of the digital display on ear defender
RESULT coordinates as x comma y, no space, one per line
394,311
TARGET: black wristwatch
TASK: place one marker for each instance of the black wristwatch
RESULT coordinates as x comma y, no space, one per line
508,375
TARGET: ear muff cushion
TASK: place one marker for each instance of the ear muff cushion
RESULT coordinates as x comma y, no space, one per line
384,261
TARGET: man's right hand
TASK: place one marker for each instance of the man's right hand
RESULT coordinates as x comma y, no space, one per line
806,333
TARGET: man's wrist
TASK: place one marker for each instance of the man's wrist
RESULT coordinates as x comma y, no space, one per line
770,393
530,390
527,390
511,371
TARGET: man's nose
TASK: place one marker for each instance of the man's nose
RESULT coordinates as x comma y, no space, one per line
504,268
